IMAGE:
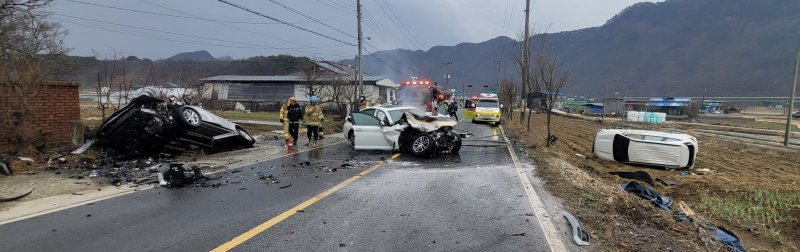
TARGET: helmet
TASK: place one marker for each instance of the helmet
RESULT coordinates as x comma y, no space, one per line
313,99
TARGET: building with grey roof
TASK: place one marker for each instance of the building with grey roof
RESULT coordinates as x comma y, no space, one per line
322,77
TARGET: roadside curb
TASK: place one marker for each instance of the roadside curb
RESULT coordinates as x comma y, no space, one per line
551,233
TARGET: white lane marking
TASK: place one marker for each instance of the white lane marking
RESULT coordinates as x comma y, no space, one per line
143,188
551,234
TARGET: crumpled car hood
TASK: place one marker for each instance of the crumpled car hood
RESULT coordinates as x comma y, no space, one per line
427,123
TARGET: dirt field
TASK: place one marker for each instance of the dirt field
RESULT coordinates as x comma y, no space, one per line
753,192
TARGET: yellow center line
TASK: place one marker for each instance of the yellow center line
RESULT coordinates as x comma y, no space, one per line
277,219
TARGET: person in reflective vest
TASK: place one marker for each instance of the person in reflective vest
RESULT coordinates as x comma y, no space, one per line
313,119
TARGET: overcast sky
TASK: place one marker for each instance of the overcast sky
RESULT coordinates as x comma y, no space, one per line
161,28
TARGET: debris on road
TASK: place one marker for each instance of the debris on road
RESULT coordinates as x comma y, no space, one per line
284,187
579,234
637,175
84,147
177,176
518,234
16,197
26,159
648,193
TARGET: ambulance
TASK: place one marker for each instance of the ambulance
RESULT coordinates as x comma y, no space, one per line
484,108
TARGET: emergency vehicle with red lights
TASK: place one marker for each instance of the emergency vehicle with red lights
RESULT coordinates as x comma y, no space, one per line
420,93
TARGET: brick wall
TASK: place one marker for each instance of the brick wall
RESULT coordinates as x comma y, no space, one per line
54,110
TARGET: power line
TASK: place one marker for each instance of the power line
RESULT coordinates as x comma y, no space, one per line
283,22
313,19
174,33
187,17
346,11
158,37
404,27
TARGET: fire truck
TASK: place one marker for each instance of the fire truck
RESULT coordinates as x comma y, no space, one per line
420,93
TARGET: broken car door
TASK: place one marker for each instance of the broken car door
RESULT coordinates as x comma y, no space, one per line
368,133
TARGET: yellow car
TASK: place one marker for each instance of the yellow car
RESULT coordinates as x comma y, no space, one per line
483,109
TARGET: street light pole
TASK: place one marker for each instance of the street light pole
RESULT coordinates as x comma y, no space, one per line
791,101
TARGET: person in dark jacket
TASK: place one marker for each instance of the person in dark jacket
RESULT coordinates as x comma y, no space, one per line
294,113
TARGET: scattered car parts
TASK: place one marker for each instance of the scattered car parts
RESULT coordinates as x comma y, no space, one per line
646,147
727,238
5,168
648,193
148,126
637,175
16,197
579,234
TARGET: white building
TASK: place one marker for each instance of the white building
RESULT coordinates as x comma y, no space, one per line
279,88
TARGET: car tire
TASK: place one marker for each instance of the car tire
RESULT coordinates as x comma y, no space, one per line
473,121
247,139
351,138
189,117
457,145
422,145
494,124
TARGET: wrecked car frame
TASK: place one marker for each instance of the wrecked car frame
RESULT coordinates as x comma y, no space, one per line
148,125
646,147
402,128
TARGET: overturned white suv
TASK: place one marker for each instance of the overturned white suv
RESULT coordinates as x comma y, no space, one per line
646,147
403,128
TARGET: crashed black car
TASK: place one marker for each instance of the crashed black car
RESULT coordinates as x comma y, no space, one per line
149,125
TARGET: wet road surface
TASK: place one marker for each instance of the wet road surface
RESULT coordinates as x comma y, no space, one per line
470,201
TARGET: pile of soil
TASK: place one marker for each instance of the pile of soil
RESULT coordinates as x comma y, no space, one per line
613,215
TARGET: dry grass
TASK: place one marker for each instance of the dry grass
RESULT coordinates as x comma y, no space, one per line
741,173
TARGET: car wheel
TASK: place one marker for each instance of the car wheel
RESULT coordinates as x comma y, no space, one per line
422,145
456,145
246,138
352,138
190,117
473,121
494,124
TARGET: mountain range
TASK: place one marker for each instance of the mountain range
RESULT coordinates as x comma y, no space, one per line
670,48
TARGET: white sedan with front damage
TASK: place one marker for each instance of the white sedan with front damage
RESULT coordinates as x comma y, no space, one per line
403,128
656,148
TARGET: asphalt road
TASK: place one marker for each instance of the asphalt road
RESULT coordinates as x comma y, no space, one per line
470,201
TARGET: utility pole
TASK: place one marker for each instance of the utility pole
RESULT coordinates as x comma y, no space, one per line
447,73
360,70
624,108
791,102
605,91
703,101
526,53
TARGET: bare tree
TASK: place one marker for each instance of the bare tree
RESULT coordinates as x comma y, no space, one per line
312,75
550,79
106,78
508,95
31,48
338,90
